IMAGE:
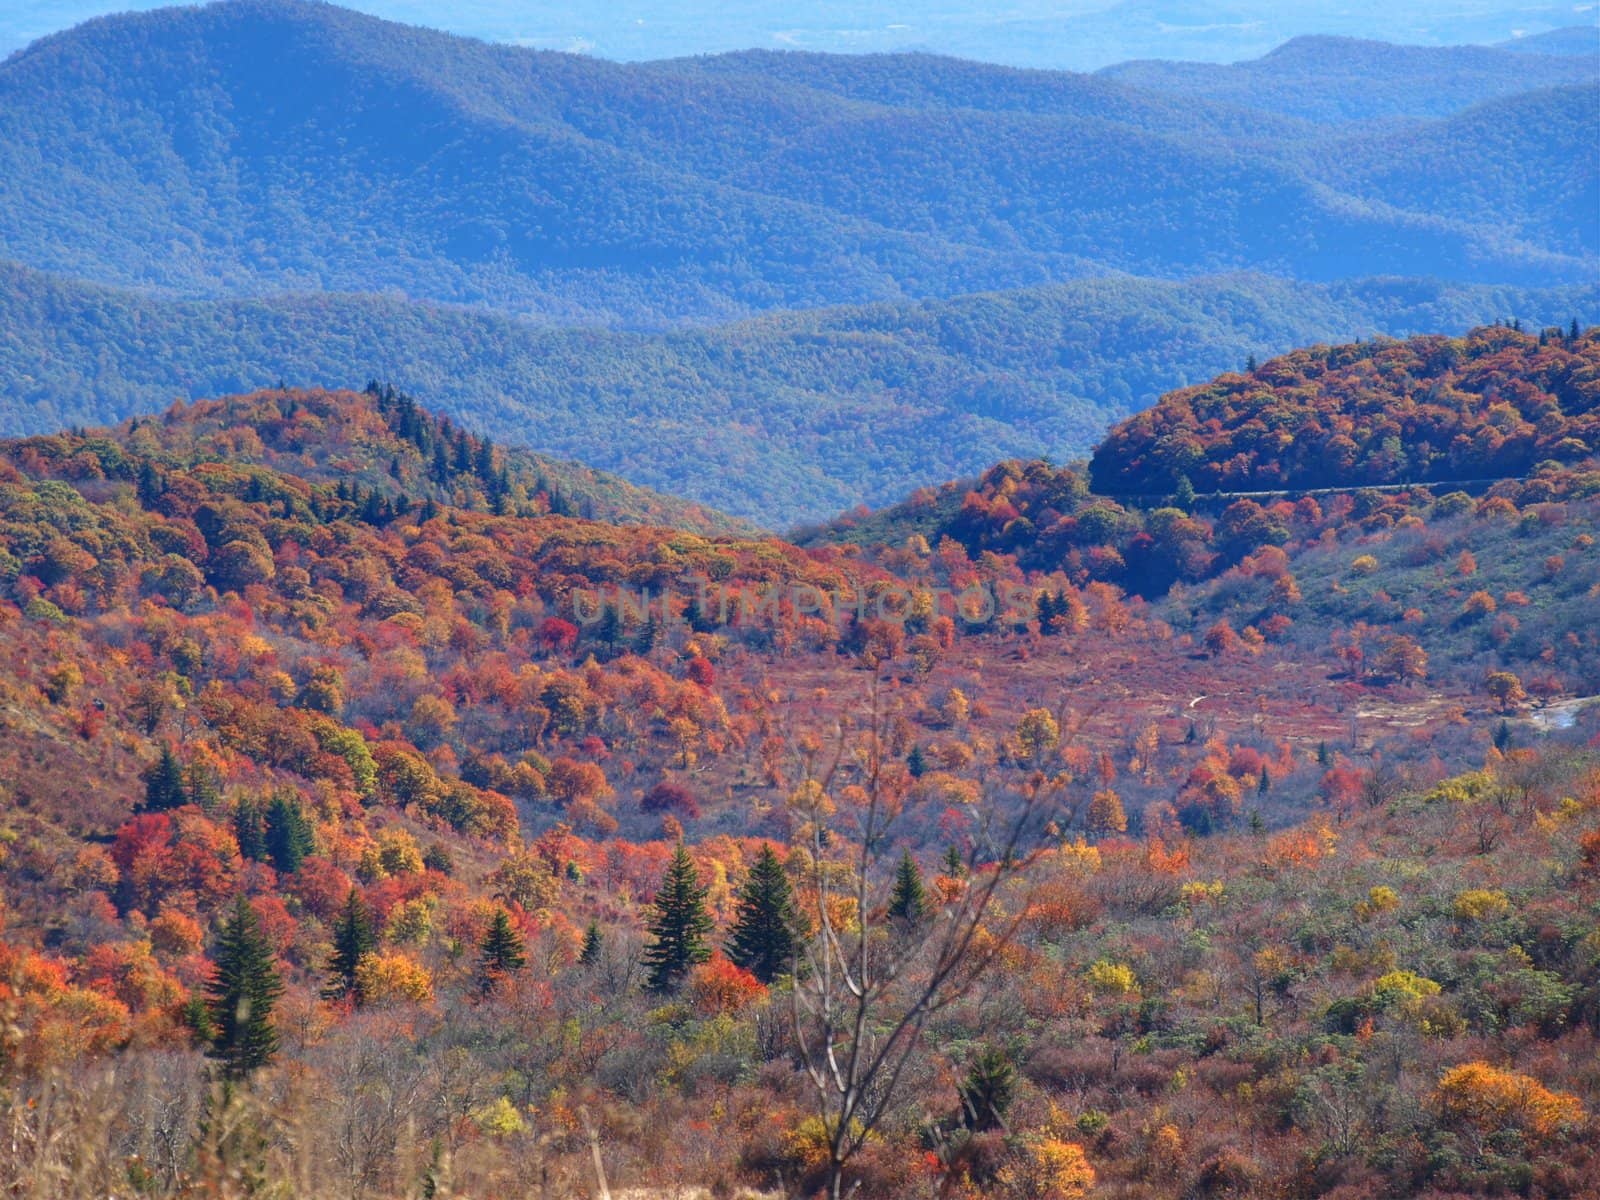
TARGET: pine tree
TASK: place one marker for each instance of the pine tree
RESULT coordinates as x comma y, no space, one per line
241,994
987,1091
954,865
288,834
195,1015
679,926
908,901
250,829
500,953
163,783
917,762
1264,784
150,487
594,944
647,637
1183,494
762,940
353,939
201,787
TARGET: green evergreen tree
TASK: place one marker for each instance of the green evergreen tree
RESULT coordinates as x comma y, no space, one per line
1323,757
954,865
500,953
908,901
609,629
762,940
988,1090
242,993
917,762
150,487
1264,784
1183,494
649,634
353,939
594,944
288,834
201,787
163,783
196,1018
679,926
250,829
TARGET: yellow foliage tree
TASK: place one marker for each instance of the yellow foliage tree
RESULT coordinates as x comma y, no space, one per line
1487,1099
1048,1169
1037,734
1106,814
389,978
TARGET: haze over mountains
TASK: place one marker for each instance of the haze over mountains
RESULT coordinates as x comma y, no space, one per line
784,418
1079,35
276,189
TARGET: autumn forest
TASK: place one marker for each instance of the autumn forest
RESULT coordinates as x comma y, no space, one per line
1173,771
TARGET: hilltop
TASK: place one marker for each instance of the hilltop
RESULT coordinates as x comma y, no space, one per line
1251,505
1351,79
1489,406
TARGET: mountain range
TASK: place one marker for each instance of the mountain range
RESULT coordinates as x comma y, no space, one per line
780,283
269,145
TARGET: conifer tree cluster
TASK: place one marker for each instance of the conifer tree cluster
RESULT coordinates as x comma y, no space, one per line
164,784
908,900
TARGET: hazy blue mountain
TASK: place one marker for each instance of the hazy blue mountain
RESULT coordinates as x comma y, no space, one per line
1346,79
1483,166
1570,39
782,419
1073,34
273,145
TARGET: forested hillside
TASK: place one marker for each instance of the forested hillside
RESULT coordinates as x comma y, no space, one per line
811,412
352,843
274,145
1493,405
1290,539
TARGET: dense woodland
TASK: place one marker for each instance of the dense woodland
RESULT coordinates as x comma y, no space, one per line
1275,879
814,412
1494,405
1353,79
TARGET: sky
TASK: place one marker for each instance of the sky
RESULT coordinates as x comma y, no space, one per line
1068,34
